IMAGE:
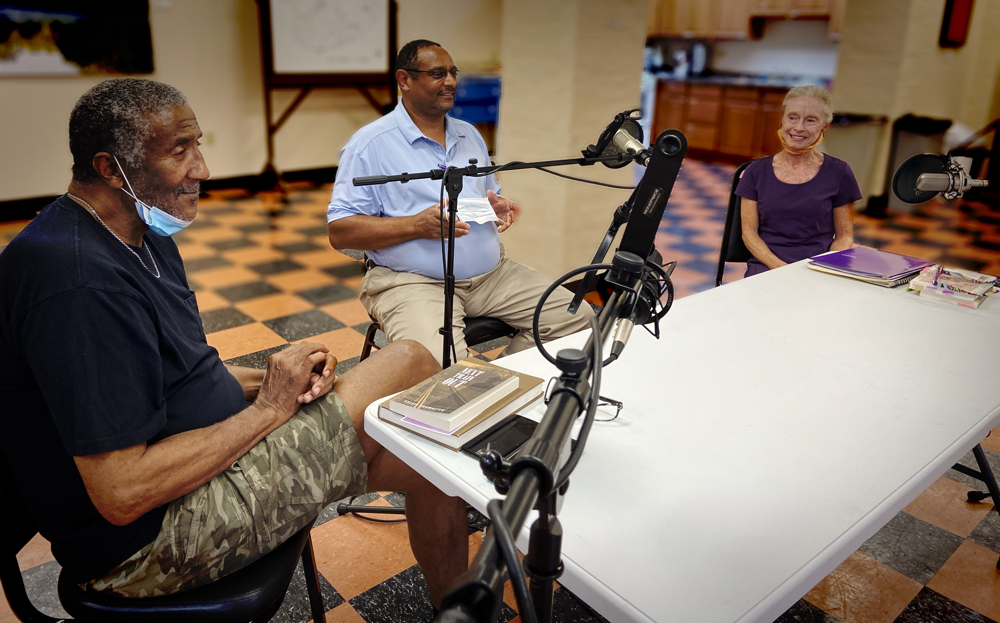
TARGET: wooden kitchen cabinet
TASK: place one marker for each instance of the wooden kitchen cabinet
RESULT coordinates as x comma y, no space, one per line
731,19
777,8
790,8
768,122
686,18
738,127
739,122
809,7
836,24
653,18
671,98
701,116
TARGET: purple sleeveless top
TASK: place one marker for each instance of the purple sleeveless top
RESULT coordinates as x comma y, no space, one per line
796,220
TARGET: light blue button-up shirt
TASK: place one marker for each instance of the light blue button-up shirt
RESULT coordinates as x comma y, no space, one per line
393,145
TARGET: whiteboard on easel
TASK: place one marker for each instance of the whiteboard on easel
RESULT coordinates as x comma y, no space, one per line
330,36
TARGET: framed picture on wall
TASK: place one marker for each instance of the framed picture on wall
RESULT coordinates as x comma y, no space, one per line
66,38
955,24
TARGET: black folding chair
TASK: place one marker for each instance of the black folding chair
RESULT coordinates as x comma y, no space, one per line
253,593
478,329
733,249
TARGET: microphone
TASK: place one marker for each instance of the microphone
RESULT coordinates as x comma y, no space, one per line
627,144
622,332
647,306
614,140
923,176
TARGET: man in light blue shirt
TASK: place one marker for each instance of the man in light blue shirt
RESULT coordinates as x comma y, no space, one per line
400,226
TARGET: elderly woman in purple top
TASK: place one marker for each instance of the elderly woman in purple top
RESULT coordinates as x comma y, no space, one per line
797,203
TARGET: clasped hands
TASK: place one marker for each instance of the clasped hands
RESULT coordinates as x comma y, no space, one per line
434,220
296,376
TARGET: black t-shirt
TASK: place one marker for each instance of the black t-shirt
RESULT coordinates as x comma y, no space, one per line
96,354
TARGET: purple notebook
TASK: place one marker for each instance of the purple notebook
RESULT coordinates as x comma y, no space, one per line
868,262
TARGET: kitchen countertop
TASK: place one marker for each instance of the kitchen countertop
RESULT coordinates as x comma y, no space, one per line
778,81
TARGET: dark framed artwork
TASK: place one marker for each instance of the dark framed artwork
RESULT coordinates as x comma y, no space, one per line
67,38
955,24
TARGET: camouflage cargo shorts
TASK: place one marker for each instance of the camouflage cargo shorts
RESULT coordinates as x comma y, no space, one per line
265,497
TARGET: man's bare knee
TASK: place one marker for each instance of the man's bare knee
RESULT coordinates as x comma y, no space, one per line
411,360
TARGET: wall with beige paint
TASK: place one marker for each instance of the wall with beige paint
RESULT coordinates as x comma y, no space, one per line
890,64
569,67
210,51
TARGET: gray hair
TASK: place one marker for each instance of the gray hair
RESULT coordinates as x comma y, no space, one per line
116,117
813,91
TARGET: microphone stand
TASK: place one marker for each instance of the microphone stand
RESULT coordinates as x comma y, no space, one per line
452,178
531,480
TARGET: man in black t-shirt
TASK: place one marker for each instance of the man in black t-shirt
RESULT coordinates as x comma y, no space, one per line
148,464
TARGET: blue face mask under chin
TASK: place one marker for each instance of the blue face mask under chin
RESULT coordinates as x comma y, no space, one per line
158,221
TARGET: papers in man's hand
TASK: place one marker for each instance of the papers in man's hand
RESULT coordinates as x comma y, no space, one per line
476,210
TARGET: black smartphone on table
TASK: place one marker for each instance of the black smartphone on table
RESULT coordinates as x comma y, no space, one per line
506,438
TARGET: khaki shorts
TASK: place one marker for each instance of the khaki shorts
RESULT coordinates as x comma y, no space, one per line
265,497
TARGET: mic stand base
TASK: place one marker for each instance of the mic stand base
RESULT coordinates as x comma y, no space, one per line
543,564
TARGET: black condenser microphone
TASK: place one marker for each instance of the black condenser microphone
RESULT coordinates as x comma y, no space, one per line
645,308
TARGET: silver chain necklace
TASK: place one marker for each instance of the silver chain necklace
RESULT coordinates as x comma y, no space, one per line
124,244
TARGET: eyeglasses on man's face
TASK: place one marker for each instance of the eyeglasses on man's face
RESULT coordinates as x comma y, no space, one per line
437,74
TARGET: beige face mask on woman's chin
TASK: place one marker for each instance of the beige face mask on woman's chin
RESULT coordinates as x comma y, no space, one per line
795,151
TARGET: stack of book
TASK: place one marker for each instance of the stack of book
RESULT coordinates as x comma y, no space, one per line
870,265
460,402
959,287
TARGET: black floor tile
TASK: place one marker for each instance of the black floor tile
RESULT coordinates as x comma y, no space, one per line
402,597
303,325
962,262
318,230
205,263
225,208
256,360
931,607
396,499
225,318
232,243
40,585
327,294
912,546
275,267
969,460
987,533
247,291
347,364
804,612
296,607
297,247
252,227
568,608
354,269
202,222
868,241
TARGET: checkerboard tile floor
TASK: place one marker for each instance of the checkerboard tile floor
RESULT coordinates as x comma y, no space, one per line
265,278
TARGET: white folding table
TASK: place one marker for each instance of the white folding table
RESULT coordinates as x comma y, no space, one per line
778,423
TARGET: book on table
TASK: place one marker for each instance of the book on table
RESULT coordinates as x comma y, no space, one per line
455,395
529,389
956,286
870,265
